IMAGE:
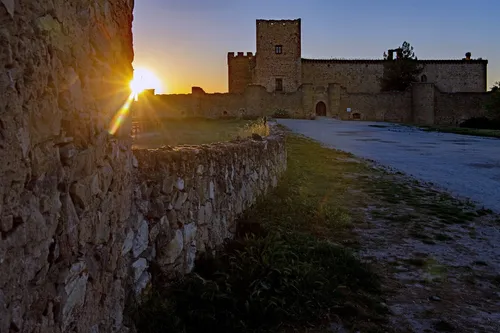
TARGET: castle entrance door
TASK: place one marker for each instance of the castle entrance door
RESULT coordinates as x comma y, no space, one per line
321,109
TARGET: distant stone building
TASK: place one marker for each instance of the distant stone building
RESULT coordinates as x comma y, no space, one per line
278,66
277,80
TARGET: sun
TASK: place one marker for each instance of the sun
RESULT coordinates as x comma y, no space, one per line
144,79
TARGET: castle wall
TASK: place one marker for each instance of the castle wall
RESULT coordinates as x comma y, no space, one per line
355,76
388,106
423,102
240,69
453,108
254,102
65,185
220,105
362,76
286,65
456,75
189,198
161,106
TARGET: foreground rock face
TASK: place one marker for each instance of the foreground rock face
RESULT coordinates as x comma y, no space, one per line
65,183
188,198
78,235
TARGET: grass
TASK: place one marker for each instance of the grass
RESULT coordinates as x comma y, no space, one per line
293,265
464,131
198,131
286,270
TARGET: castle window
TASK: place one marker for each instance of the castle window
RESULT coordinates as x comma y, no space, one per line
423,78
278,49
279,85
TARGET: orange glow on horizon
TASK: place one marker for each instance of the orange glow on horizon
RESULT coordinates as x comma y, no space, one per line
144,79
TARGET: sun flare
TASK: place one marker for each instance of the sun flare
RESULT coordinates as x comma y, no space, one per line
144,79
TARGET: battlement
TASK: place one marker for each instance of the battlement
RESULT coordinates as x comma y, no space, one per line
381,61
282,22
239,54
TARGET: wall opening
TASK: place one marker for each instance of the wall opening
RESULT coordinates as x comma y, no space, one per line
356,116
321,109
279,85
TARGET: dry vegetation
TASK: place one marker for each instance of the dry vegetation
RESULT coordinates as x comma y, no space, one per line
342,244
198,131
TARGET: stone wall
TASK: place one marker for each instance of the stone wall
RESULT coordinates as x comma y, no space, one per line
457,75
188,199
66,182
254,102
356,76
362,76
423,103
453,108
389,106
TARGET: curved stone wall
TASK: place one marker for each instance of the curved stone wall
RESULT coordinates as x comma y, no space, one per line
188,199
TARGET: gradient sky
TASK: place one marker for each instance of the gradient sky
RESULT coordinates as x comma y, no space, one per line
185,42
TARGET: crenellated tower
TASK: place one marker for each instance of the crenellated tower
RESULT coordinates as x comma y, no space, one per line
240,69
278,65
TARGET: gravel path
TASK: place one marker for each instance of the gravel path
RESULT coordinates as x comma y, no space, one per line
466,166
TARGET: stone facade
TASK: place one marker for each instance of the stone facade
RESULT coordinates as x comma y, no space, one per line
422,103
76,230
358,76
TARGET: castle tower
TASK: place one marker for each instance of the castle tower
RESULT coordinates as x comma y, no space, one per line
278,57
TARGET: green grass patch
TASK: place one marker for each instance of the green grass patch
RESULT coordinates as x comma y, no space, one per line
284,271
196,131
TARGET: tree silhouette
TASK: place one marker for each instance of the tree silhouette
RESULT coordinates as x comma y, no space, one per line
401,72
493,105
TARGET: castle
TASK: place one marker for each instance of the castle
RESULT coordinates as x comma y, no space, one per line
278,66
277,77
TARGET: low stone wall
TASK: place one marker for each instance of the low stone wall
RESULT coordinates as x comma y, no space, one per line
188,198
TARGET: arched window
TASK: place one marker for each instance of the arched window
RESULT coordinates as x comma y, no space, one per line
423,78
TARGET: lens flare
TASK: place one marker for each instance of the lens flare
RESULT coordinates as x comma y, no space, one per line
121,115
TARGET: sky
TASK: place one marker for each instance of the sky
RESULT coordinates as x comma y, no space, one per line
185,42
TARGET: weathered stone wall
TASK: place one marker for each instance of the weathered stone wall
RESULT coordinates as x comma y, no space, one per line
362,76
453,108
66,188
287,65
254,102
457,75
420,104
240,71
356,76
423,103
188,199
390,106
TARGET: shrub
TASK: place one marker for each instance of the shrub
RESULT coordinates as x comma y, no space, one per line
493,105
481,123
257,127
281,114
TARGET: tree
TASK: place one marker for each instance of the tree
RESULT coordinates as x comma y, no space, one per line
401,72
493,105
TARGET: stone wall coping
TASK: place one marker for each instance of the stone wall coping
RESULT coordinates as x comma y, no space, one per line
227,146
381,61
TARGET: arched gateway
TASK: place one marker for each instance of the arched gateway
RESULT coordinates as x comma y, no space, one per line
321,109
